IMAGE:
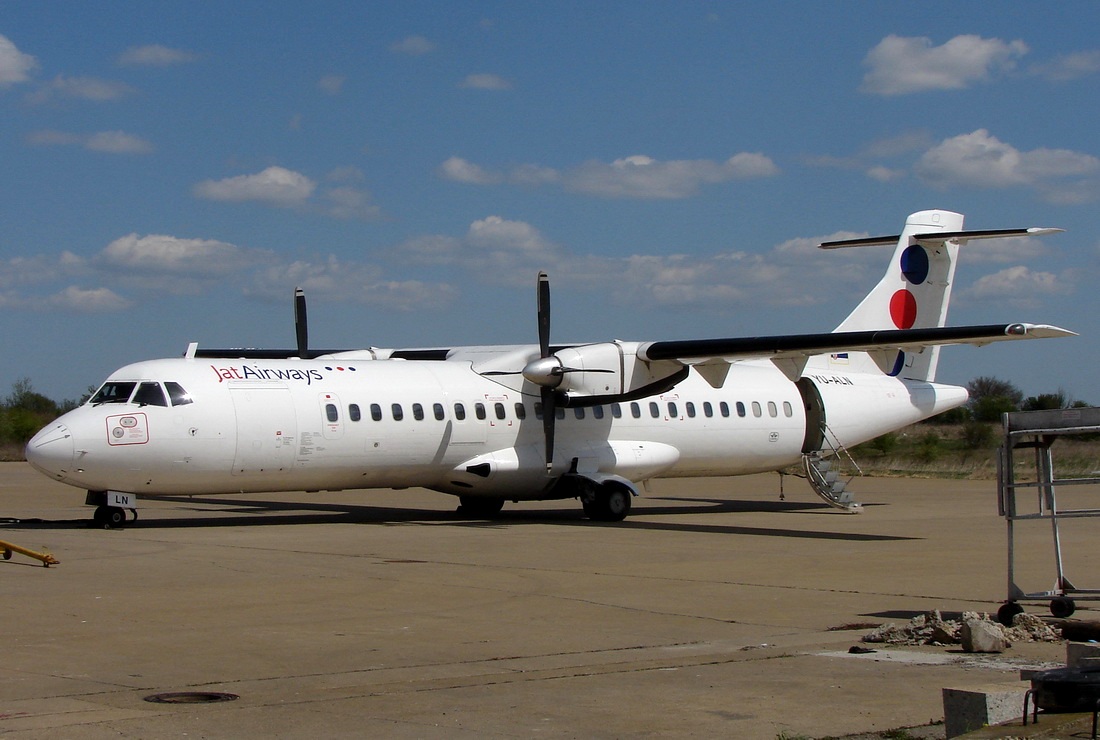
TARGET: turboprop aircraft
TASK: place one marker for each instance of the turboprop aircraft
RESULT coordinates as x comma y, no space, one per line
521,423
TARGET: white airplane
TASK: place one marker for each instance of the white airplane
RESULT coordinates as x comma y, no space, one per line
528,423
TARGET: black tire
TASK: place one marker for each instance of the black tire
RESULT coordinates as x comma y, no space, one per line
1007,612
1062,607
612,504
480,507
109,517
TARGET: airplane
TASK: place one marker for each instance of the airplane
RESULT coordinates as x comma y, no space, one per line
546,421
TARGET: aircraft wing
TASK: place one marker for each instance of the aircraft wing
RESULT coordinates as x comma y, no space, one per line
784,346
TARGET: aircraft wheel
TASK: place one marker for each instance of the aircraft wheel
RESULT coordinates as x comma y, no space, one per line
1007,612
1061,607
7,554
109,517
480,507
611,504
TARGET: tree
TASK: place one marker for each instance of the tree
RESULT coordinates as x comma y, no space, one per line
990,397
1045,401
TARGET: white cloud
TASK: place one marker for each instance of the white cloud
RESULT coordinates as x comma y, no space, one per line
97,300
275,185
81,88
643,177
347,281
154,55
458,169
900,65
331,84
979,159
637,176
15,66
110,142
349,202
885,174
170,255
485,82
1015,286
117,142
414,46
1069,67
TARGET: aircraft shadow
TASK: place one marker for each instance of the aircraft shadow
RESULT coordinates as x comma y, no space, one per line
268,513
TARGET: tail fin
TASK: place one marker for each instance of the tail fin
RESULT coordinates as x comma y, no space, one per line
916,289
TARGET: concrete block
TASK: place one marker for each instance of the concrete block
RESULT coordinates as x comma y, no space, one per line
1077,652
972,708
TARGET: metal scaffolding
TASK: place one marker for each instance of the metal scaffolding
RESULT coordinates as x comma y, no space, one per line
1037,431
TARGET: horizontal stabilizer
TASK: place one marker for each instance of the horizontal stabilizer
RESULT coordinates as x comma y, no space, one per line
939,237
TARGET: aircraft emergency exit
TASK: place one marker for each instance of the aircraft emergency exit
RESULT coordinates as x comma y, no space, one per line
543,421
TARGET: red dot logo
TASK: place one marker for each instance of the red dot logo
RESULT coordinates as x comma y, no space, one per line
903,309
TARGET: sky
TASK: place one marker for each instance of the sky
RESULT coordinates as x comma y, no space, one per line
171,171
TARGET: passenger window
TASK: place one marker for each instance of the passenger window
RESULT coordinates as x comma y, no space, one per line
353,412
690,409
559,413
112,392
460,412
479,411
597,412
635,410
150,394
538,410
498,408
725,409
418,412
332,413
708,410
741,409
437,409
788,410
521,411
654,409
376,412
616,411
578,412
177,394
772,410
756,410
397,411
672,410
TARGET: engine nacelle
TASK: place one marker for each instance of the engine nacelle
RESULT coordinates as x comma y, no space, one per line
611,371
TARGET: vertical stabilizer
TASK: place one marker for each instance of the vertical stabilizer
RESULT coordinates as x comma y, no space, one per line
914,292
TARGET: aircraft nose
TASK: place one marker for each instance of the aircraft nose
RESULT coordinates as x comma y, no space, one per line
51,450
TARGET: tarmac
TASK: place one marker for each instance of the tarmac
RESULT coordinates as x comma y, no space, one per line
715,610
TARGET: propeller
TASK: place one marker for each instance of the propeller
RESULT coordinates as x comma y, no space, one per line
548,371
301,327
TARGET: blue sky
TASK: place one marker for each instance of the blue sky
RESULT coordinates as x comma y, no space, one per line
172,170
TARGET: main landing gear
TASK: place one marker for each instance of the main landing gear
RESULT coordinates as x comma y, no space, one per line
605,503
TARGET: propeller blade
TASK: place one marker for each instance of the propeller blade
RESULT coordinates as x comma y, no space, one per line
549,417
301,327
544,314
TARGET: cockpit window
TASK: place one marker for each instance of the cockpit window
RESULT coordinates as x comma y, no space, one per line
113,392
150,394
178,395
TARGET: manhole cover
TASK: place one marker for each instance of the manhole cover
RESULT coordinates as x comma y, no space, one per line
191,697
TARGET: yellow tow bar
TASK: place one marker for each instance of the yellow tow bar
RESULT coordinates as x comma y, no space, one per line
47,559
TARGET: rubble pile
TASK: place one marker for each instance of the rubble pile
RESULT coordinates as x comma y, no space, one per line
976,633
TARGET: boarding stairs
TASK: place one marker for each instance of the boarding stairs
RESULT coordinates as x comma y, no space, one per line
824,471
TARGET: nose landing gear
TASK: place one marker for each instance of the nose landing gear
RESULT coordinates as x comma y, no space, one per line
111,508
